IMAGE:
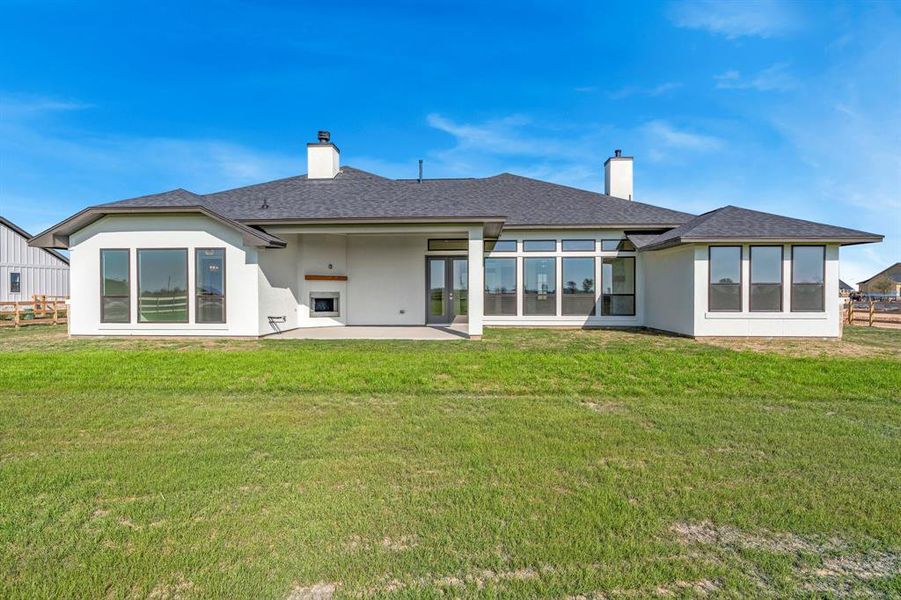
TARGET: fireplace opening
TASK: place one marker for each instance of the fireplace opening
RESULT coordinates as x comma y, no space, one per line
325,304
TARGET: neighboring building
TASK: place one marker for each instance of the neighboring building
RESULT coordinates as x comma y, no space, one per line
341,246
887,282
25,271
844,289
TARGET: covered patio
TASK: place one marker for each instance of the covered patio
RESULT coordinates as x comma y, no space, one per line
400,332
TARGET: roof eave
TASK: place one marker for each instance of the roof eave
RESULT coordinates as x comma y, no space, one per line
850,241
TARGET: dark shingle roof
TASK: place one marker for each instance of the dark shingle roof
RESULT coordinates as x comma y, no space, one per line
893,273
356,194
734,223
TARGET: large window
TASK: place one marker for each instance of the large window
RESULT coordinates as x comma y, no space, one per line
578,287
808,278
115,286
766,278
500,286
618,281
539,246
15,282
210,285
539,286
724,293
163,286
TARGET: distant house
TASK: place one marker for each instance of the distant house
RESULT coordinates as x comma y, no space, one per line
844,289
886,282
26,270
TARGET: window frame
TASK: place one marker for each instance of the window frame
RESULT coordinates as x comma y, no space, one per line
464,241
792,280
18,284
515,286
634,293
593,242
781,278
741,277
187,285
618,242
496,242
526,242
224,295
102,296
594,292
553,261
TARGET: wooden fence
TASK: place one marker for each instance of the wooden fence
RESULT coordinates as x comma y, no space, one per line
40,310
872,314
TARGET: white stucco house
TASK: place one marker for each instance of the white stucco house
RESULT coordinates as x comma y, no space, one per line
342,247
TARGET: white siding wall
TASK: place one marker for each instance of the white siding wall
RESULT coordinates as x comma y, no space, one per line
40,271
785,323
181,231
278,286
669,285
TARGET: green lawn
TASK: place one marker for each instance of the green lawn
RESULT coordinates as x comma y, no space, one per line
595,464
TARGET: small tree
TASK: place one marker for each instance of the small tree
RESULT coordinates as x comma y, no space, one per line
882,285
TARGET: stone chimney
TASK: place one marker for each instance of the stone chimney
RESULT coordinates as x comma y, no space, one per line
323,158
618,175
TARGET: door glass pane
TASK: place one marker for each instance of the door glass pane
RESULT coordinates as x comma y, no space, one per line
578,286
618,286
500,286
539,286
163,286
461,287
210,286
459,244
436,287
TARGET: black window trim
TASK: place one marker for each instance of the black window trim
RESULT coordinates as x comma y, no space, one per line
102,296
634,293
554,241
710,284
594,244
197,294
188,283
792,280
781,278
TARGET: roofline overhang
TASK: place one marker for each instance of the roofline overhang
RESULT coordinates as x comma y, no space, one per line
491,226
849,241
58,235
626,226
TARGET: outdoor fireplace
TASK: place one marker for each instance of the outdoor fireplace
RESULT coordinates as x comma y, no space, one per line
325,304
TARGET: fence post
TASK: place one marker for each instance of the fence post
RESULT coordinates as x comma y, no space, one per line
16,317
872,311
55,313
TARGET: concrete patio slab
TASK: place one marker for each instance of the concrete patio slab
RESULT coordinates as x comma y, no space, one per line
454,332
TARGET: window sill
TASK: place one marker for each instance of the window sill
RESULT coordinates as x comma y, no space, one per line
789,316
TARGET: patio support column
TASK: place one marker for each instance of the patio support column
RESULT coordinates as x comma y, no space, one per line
476,281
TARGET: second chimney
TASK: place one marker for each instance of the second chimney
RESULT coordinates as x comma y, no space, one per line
323,158
618,175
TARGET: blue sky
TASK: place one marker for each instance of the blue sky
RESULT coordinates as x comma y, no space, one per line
793,108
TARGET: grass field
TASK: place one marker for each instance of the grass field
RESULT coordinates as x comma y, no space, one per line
584,464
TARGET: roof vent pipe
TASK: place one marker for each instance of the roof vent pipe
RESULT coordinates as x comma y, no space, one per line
420,171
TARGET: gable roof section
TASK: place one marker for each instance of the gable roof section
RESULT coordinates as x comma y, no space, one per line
27,237
844,286
893,273
732,223
174,201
